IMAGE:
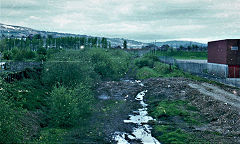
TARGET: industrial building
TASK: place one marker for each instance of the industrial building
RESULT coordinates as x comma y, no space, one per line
224,58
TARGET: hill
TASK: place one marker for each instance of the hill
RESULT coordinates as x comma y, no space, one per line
19,31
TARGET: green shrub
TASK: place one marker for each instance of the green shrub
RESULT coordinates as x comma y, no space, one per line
161,68
68,74
170,108
85,99
30,54
109,64
51,135
19,56
175,137
7,55
145,73
63,106
144,62
11,130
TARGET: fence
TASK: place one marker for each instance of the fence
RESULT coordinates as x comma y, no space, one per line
203,69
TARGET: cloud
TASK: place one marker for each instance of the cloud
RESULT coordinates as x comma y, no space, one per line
136,19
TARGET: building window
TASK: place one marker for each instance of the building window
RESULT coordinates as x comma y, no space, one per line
234,47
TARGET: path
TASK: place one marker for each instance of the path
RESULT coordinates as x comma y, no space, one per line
217,93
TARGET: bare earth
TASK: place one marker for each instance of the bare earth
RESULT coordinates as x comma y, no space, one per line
220,105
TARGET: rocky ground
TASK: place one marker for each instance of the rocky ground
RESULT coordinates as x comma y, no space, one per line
221,122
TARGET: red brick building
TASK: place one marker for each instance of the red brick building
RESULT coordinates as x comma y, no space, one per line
226,52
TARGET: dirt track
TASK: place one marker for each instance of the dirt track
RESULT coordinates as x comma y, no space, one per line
218,94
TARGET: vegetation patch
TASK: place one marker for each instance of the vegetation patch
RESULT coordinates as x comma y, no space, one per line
183,54
166,109
149,67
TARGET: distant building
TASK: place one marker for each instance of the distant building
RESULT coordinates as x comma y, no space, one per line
164,47
117,47
224,58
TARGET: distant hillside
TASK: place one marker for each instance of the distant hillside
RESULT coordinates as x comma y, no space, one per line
177,44
18,32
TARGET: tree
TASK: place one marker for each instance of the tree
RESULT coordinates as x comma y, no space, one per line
125,44
109,45
104,42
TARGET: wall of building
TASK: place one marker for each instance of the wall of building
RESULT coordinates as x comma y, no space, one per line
220,70
217,52
233,56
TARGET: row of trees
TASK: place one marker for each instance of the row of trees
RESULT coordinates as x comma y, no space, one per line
36,47
192,48
36,42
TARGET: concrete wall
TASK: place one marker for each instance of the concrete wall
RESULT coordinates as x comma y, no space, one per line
220,70
192,67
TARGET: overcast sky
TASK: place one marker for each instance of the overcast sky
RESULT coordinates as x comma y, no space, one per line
143,20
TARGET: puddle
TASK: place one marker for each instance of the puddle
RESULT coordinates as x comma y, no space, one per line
104,97
142,131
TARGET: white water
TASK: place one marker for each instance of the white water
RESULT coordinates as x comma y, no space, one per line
142,131
2,65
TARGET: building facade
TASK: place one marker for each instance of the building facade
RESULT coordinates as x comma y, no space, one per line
224,58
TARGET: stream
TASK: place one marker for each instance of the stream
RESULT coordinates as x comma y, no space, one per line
142,131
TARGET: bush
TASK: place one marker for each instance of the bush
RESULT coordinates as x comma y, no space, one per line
51,135
67,107
63,106
85,99
144,62
19,56
175,137
68,74
11,130
145,73
7,55
42,52
30,54
109,64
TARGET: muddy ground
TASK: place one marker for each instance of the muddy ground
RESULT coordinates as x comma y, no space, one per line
117,101
218,105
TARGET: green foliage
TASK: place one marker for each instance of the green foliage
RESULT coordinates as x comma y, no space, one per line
7,55
175,108
104,43
28,93
183,54
67,107
63,108
51,135
170,108
42,52
145,73
148,66
125,44
30,54
109,64
11,130
68,74
165,70
175,137
85,99
143,62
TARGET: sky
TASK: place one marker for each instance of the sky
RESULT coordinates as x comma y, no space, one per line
142,20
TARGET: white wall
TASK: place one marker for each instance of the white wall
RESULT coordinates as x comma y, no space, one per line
220,70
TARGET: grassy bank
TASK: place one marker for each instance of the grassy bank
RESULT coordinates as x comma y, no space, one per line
183,54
